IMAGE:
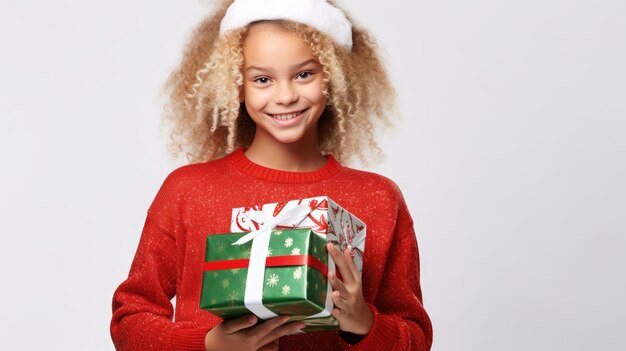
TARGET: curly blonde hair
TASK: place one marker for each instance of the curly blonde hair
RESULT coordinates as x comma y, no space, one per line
208,120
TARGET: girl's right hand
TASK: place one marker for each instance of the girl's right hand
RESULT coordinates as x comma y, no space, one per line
243,334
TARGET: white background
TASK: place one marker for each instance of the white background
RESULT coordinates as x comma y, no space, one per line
510,150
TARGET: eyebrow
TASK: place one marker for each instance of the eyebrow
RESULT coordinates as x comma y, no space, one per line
294,67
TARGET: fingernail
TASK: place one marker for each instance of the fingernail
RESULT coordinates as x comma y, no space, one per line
252,319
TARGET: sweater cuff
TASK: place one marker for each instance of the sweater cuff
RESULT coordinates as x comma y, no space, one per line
189,339
382,337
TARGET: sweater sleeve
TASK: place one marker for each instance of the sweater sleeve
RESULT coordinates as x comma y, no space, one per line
400,320
142,311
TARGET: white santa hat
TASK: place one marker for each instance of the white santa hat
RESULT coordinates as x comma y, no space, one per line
318,14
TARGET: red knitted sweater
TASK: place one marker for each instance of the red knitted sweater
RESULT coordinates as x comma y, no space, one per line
196,200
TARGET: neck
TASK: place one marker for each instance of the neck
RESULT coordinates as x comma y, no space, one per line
301,156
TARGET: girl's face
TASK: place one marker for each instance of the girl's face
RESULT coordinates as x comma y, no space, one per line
283,85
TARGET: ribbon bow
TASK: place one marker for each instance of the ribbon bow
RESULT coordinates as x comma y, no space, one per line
268,222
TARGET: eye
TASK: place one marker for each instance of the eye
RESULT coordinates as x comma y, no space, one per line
262,80
304,75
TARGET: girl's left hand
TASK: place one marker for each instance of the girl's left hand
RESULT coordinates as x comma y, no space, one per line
351,310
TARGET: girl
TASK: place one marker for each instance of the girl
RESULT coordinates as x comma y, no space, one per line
271,97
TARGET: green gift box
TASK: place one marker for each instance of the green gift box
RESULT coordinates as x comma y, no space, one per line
292,263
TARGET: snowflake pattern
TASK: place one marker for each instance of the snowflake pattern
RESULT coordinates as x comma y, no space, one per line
297,273
246,253
215,274
286,289
213,301
278,232
295,251
235,270
232,297
225,283
269,252
272,280
288,242
220,247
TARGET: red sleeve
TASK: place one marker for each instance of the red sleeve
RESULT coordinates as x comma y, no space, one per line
400,320
142,311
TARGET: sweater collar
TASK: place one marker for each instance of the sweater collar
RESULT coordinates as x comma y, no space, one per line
240,161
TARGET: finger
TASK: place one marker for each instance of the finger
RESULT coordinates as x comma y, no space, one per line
338,314
336,283
281,331
341,263
350,259
267,326
236,324
339,301
349,271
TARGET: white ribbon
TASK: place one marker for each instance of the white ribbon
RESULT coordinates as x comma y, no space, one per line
289,217
253,298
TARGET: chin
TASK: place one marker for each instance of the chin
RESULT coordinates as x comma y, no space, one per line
288,140
288,136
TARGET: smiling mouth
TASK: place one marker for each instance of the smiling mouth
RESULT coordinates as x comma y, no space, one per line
287,116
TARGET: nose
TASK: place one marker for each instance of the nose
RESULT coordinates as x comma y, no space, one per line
286,93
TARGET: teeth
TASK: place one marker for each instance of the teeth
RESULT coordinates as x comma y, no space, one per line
286,117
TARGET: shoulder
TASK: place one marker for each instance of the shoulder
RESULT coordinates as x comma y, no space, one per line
377,201
373,182
188,182
189,175
363,187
